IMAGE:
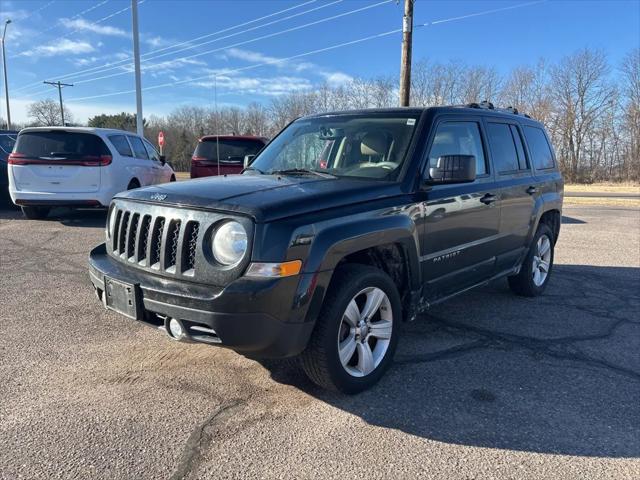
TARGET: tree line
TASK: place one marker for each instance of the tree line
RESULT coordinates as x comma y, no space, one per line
590,108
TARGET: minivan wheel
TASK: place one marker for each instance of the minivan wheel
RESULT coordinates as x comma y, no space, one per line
536,267
356,333
35,213
134,183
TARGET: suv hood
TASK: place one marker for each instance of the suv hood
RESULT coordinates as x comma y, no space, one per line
265,197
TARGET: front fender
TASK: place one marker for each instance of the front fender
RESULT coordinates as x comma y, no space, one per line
332,244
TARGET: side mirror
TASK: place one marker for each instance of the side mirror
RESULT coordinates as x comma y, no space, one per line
247,160
453,169
163,159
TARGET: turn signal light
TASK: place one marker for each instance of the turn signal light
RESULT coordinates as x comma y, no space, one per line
274,270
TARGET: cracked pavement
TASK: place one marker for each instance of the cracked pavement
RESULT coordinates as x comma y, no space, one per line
488,385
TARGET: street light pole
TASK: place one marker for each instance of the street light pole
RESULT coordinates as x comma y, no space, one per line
4,68
136,61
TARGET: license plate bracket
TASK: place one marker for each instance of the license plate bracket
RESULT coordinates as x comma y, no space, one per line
123,297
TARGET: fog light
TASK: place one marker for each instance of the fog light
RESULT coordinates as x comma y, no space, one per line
175,328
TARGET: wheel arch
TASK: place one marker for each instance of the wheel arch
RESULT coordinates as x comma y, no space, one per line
390,244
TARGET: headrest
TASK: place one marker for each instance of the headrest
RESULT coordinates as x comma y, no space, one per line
373,144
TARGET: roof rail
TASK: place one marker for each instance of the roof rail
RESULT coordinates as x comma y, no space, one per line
484,104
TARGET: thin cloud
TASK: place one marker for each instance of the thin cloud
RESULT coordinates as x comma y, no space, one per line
336,79
63,47
80,24
267,86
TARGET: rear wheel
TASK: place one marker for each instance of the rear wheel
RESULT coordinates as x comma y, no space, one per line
133,184
536,268
35,213
173,178
356,333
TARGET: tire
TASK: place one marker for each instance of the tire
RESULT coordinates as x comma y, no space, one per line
35,213
321,359
133,184
527,283
173,178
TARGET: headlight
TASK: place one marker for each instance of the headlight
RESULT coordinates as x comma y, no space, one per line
229,243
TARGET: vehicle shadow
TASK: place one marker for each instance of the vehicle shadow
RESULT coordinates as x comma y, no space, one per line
91,218
556,374
572,221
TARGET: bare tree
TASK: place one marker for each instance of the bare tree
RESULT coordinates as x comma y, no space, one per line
581,93
47,113
630,86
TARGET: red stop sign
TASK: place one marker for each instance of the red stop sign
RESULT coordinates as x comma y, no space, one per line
161,139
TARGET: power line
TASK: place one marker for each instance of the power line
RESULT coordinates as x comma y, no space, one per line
38,10
99,68
245,42
304,54
55,25
75,31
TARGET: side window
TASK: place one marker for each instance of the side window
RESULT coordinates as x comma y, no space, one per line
458,138
503,149
522,158
539,148
153,155
121,144
138,147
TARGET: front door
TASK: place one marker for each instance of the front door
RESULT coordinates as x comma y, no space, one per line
461,221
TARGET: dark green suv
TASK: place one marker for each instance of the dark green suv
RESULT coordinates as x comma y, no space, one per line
344,226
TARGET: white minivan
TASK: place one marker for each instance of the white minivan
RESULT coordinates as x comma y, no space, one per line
79,167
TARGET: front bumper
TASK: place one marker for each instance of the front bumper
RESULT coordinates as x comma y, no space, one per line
260,318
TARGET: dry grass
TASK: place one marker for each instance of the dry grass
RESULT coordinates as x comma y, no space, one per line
183,176
604,187
607,202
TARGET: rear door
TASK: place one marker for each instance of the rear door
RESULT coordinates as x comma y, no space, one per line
517,189
461,221
59,161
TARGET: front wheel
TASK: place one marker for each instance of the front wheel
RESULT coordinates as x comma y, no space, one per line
35,213
536,267
357,331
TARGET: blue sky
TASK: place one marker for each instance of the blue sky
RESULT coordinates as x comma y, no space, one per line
88,43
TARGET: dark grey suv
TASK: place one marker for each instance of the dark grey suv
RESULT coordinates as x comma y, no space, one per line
344,226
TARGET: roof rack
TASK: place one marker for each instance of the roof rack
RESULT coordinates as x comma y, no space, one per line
489,106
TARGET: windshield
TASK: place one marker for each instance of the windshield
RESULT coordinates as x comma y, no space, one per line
366,145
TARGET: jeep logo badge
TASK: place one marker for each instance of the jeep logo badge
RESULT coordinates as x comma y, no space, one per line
158,197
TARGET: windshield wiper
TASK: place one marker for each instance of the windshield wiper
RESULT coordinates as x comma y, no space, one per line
254,169
301,171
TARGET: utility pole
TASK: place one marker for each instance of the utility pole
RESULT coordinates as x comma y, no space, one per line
60,85
405,62
136,61
4,68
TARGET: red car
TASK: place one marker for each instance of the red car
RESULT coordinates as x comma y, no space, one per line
223,154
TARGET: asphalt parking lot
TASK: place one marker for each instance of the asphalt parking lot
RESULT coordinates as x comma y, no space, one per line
488,385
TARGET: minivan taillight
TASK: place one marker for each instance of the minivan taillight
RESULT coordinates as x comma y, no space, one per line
197,159
85,161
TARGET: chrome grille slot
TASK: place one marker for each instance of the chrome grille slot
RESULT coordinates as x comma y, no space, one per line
116,226
171,249
155,246
143,238
189,247
131,236
122,233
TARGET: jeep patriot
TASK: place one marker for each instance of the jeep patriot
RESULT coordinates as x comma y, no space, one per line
345,226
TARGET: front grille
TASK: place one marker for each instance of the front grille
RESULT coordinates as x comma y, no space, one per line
162,243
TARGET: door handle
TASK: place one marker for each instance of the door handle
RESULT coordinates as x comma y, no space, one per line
531,190
488,199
